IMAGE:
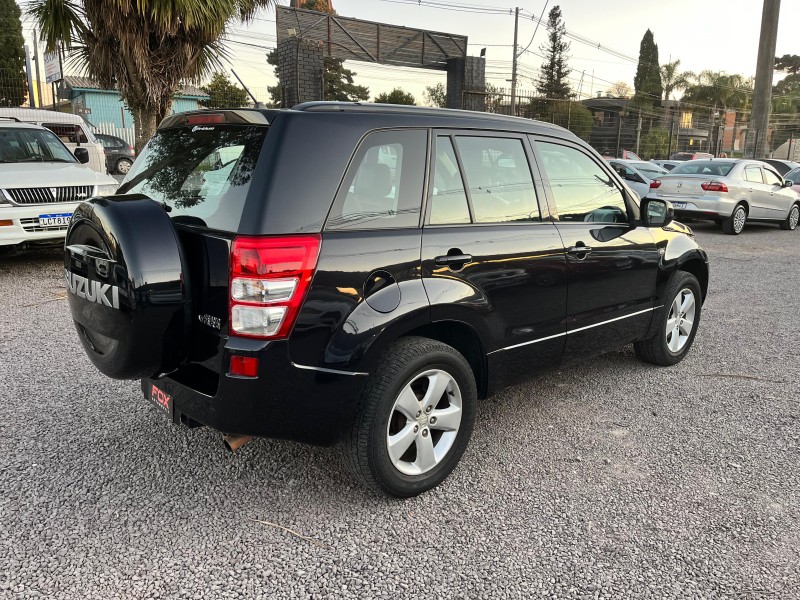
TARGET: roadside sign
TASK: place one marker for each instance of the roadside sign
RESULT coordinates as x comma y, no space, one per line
52,67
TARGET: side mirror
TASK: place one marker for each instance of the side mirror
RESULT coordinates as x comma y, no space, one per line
787,183
82,154
657,213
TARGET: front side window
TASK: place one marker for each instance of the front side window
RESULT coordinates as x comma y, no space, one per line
582,191
499,179
772,178
383,186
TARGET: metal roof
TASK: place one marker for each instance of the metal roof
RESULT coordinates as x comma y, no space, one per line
87,83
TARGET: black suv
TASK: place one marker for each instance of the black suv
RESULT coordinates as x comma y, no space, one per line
364,273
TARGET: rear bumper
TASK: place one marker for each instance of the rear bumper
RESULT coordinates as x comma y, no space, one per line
25,223
285,400
711,207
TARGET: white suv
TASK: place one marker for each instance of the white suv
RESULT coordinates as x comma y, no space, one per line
41,184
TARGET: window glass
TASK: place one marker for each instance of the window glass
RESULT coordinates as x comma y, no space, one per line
703,167
794,175
753,174
448,198
31,145
383,187
202,175
69,134
772,178
582,191
499,179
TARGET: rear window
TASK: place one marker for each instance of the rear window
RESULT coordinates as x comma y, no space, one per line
793,175
703,167
201,173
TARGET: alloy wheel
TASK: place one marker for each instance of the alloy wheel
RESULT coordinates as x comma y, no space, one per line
680,320
794,217
739,218
424,422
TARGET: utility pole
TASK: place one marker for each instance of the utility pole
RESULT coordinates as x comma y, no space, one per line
514,65
762,93
38,74
31,99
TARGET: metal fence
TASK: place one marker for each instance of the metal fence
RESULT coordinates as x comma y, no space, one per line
614,124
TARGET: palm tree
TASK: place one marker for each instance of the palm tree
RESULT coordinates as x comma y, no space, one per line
144,49
673,80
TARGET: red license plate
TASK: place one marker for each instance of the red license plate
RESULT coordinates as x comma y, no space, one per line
161,399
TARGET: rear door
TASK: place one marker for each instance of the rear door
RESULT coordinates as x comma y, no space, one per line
491,257
612,262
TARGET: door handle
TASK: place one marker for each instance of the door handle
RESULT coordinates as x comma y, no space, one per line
579,249
453,259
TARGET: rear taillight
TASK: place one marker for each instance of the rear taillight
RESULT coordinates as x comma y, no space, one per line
655,184
714,186
269,281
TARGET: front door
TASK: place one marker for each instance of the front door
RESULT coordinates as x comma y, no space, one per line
491,257
612,261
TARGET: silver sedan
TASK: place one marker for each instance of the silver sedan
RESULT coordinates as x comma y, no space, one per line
729,192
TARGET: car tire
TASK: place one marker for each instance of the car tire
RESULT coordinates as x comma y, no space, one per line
734,224
790,222
399,409
672,341
124,165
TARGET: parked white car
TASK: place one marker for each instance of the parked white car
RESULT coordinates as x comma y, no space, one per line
729,192
70,129
41,184
638,174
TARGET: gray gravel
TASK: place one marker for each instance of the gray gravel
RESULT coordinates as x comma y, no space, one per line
606,479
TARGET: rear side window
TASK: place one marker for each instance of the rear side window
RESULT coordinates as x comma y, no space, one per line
69,134
201,173
582,191
449,204
382,189
753,174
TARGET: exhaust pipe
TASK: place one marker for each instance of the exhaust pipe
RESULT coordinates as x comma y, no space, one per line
233,441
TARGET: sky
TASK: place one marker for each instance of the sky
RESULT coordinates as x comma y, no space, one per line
719,35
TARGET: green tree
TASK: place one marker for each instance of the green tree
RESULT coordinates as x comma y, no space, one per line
716,89
144,49
436,95
223,93
647,82
13,80
674,80
338,83
789,63
654,143
552,81
396,96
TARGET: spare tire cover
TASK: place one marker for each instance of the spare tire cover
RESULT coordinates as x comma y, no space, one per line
127,286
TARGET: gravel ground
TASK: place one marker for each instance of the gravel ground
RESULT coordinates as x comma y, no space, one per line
605,479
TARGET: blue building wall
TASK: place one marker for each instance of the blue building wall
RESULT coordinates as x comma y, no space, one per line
107,108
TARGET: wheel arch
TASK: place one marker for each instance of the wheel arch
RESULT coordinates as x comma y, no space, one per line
697,267
463,338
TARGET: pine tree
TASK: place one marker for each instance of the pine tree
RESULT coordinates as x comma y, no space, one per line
13,80
647,83
552,82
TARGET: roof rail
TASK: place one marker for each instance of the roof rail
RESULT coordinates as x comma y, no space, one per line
12,119
322,106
